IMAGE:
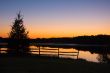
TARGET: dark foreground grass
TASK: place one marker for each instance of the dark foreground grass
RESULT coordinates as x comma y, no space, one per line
37,64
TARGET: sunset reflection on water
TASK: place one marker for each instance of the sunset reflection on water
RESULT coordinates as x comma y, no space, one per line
81,55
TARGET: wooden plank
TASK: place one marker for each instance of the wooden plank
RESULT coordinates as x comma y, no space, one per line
67,55
68,52
50,54
3,50
33,51
49,51
42,49
45,51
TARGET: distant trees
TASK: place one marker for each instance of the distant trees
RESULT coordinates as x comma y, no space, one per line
97,39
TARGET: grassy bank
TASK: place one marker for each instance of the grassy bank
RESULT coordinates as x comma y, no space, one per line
36,64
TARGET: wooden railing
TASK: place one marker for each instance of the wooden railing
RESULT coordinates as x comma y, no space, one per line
48,51
54,51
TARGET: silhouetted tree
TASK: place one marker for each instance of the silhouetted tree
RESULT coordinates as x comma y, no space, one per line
18,30
18,37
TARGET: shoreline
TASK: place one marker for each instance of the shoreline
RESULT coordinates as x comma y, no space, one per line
70,45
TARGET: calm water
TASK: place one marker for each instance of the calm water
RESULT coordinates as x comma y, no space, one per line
72,53
67,53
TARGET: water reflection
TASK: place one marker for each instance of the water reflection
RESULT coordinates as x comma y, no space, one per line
73,53
104,57
94,54
88,56
3,50
100,55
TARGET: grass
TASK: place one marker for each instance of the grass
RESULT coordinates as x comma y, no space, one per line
41,64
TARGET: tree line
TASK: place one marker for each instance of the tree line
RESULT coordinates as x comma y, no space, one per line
97,39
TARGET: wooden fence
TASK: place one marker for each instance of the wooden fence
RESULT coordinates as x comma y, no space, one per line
53,51
48,51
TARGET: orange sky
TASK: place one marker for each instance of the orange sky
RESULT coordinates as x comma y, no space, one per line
61,28
46,19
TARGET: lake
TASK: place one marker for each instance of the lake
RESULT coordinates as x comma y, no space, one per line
67,53
93,54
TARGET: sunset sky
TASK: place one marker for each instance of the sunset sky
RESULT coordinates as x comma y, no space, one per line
57,18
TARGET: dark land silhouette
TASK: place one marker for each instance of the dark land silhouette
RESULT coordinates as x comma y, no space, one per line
97,39
88,40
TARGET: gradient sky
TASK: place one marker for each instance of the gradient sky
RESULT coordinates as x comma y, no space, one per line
57,18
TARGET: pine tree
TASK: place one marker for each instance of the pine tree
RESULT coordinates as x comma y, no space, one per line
18,30
18,37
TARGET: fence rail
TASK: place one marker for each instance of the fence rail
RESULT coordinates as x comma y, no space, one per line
47,51
56,51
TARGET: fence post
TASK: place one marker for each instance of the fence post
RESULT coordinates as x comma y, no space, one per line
39,50
58,52
78,54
